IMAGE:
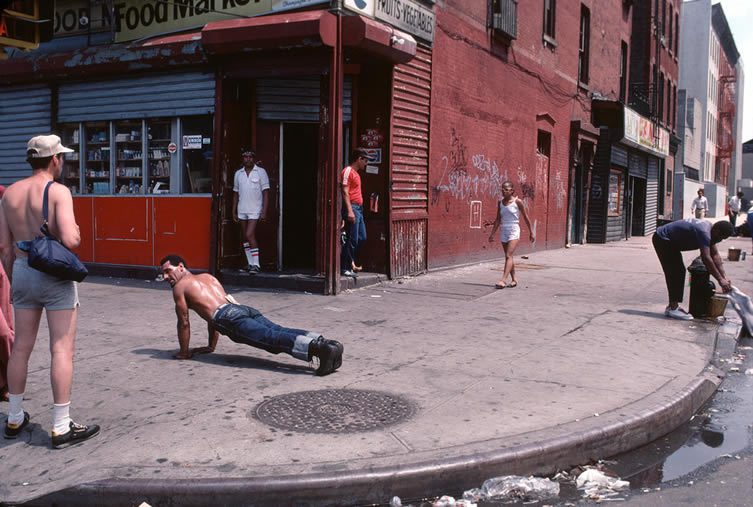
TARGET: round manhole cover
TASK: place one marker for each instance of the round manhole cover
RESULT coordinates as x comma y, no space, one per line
334,411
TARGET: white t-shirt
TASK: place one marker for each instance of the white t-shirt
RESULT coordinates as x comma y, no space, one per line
249,188
700,203
734,204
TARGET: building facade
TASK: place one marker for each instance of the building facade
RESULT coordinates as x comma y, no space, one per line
451,99
714,85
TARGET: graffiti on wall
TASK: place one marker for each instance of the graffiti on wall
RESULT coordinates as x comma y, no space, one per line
469,179
464,181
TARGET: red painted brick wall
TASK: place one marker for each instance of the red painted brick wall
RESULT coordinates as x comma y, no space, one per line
488,102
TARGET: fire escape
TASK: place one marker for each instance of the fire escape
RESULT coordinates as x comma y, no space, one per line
725,141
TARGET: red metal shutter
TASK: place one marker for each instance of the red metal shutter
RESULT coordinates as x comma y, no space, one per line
409,167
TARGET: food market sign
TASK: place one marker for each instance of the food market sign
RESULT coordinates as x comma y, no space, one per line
643,133
139,19
407,15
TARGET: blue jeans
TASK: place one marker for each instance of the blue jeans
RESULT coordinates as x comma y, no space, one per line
355,234
248,326
750,223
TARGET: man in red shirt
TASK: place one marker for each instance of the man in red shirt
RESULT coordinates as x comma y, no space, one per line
352,211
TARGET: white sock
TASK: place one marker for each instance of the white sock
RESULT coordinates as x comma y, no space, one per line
255,257
15,411
61,419
247,250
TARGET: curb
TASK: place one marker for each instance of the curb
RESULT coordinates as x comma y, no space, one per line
539,453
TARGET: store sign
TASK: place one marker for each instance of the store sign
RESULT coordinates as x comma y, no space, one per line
407,15
192,142
138,19
644,133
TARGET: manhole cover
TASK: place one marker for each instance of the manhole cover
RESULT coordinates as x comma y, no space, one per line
334,411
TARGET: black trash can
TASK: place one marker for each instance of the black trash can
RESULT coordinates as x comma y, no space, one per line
701,288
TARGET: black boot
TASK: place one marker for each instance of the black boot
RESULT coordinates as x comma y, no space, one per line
329,352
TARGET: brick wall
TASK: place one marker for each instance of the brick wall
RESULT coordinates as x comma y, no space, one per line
489,101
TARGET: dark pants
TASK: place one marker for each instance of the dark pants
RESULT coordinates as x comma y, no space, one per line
733,221
246,325
355,234
673,266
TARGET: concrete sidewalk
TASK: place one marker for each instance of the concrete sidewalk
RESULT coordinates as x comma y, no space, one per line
453,381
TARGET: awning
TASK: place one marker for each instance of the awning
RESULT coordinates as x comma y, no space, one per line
306,29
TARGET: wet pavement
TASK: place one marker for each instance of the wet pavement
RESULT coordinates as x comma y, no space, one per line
575,364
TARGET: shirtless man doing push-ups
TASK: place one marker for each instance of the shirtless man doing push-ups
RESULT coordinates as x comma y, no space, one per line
204,294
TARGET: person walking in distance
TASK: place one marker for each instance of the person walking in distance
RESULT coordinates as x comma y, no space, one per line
700,205
734,205
352,211
204,294
250,201
509,211
34,291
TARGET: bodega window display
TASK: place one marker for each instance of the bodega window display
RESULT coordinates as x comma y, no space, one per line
138,157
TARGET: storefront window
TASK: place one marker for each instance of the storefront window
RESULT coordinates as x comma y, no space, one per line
197,146
97,162
161,154
614,206
71,177
128,162
154,156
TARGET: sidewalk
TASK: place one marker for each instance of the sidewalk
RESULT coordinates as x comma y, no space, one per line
463,382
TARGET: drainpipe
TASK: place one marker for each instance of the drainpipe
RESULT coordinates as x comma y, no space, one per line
331,191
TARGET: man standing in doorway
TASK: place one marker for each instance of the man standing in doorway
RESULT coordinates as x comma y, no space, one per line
352,211
700,205
250,200
21,217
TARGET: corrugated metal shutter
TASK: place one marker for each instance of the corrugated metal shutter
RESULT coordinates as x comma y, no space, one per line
296,99
637,165
25,112
596,231
150,96
652,196
409,164
619,155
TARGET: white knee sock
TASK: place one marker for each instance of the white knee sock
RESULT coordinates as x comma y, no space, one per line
61,419
247,250
16,410
255,257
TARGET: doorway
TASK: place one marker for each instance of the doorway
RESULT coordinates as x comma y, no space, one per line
638,217
298,193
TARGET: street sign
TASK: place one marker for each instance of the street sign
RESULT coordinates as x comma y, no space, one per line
407,15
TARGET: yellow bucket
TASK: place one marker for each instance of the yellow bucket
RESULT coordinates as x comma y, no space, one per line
717,305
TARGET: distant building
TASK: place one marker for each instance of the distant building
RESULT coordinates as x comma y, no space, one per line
714,84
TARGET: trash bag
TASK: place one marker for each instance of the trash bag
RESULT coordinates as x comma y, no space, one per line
514,487
596,485
743,306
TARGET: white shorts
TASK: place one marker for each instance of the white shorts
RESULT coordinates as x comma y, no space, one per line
509,233
249,216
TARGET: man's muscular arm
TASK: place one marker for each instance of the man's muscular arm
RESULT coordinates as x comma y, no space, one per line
184,325
213,337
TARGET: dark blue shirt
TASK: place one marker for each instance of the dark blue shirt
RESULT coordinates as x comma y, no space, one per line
689,234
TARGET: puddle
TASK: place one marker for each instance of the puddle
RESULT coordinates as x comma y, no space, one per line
722,429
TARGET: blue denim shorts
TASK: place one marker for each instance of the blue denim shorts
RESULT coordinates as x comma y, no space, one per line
32,289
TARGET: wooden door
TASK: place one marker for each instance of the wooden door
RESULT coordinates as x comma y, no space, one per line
234,133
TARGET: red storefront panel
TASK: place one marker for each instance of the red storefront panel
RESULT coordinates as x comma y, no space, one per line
182,226
122,231
83,208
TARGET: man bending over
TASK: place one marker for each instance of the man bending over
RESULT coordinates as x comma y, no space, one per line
204,294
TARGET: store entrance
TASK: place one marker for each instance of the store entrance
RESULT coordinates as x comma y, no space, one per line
298,192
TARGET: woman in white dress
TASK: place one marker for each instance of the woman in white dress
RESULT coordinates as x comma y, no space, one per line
509,211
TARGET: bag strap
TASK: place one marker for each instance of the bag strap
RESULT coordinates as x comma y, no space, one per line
45,201
45,210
